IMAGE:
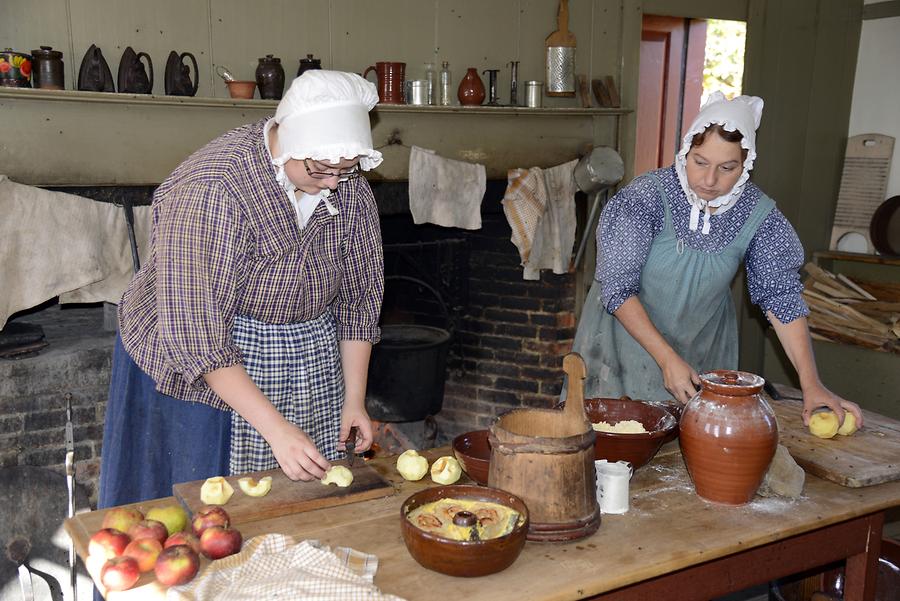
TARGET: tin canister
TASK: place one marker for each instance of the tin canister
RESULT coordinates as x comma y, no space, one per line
418,92
534,93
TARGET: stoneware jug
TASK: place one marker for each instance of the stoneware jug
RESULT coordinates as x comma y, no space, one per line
310,62
391,76
178,75
270,78
471,88
48,71
132,77
728,436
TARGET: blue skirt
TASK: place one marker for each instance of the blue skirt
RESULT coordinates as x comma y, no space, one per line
152,441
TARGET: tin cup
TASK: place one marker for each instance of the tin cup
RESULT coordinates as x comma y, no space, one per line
534,93
612,485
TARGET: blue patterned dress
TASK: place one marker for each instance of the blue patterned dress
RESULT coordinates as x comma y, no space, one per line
683,278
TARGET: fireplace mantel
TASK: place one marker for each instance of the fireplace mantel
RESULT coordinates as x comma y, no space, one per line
60,138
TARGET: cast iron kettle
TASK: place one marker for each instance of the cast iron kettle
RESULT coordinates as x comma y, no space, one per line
94,74
178,75
132,77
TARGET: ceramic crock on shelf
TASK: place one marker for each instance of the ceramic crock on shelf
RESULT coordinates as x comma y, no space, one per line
471,89
728,436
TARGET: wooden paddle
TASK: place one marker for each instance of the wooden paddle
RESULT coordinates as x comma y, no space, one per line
561,38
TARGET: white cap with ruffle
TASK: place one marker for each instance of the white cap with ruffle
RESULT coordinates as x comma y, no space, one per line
743,114
324,116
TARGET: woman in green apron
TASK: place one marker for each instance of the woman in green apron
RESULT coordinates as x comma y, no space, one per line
660,309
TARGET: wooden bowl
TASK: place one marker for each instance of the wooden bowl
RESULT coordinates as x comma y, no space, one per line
241,89
463,558
637,449
473,451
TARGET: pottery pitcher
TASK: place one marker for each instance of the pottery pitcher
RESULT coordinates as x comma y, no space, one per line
728,436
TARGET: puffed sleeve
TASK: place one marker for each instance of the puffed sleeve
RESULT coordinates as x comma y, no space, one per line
200,261
628,224
358,303
773,261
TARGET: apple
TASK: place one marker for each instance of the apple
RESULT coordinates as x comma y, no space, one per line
211,515
338,474
108,543
149,529
121,518
183,538
411,465
217,542
446,470
216,491
176,565
256,488
173,516
144,551
119,573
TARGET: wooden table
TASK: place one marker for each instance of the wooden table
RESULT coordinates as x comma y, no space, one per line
670,544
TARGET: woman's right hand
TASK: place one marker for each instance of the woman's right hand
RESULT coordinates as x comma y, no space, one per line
296,453
679,378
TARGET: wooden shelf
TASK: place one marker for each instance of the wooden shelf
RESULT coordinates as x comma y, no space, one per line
73,138
834,255
259,104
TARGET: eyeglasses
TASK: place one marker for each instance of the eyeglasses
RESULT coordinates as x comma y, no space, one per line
342,175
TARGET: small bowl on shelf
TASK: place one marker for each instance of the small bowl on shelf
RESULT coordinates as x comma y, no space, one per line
468,558
637,449
241,89
473,451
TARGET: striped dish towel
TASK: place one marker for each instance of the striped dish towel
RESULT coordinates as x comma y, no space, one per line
540,207
275,566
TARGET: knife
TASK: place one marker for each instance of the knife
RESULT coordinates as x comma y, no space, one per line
350,445
70,484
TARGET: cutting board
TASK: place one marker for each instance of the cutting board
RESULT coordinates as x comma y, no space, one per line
870,456
288,497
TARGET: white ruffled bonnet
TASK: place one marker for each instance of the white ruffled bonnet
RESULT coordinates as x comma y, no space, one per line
743,114
325,116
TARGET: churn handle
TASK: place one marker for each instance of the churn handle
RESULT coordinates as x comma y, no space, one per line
575,370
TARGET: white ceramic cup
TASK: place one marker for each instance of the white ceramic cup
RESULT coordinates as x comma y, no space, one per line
612,485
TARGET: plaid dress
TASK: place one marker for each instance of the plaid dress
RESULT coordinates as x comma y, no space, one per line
298,367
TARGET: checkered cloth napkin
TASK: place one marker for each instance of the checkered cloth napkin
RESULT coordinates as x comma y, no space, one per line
275,566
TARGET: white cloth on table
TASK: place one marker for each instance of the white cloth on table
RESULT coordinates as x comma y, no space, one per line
56,244
275,566
540,207
444,191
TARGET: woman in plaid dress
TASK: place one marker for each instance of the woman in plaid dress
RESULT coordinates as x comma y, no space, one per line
245,338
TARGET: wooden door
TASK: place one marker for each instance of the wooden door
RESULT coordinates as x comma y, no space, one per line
669,87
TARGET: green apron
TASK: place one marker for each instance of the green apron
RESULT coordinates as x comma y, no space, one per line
687,294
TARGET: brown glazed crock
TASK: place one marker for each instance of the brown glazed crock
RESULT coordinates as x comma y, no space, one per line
473,451
463,558
637,449
728,436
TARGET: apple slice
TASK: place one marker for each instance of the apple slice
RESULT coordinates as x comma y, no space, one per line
338,474
216,491
256,488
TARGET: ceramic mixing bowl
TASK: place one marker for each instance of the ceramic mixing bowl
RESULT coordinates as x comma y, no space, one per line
473,451
637,449
463,557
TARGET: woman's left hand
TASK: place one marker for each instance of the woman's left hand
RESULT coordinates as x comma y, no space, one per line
355,417
819,396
